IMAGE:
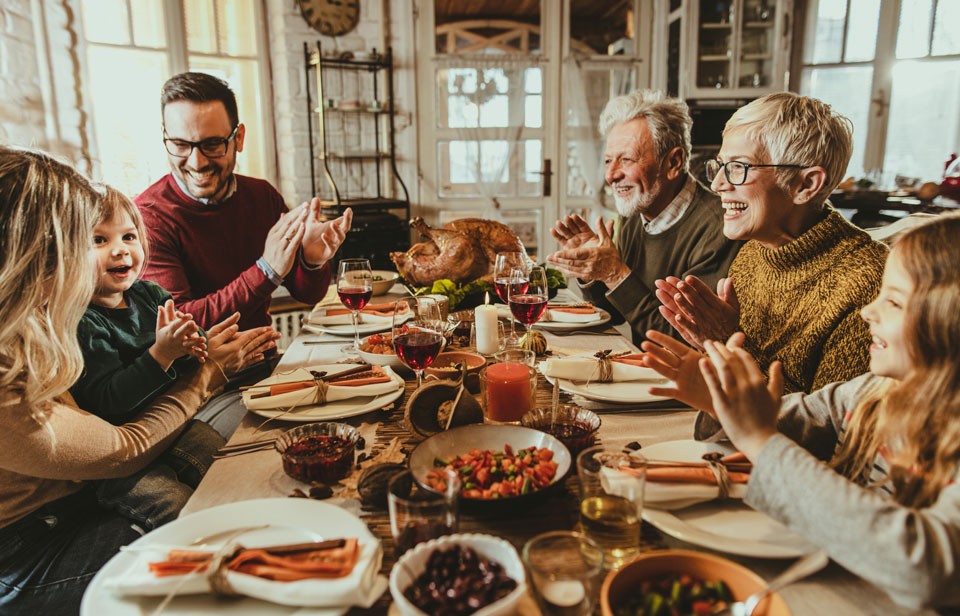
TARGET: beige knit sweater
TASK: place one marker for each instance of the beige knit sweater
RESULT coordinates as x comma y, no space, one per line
40,463
800,303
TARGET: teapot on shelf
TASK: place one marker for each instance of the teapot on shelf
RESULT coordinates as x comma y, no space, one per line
950,186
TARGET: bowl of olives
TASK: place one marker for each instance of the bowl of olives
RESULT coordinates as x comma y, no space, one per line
459,574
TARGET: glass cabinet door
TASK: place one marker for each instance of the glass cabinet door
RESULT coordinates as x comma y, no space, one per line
737,50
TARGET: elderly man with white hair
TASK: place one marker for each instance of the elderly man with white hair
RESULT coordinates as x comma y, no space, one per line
668,223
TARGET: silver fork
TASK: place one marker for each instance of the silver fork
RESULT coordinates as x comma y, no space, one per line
808,565
582,332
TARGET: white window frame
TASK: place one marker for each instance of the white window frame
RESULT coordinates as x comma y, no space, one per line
177,61
885,56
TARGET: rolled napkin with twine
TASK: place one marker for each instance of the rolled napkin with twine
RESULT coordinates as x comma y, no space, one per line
371,313
338,577
607,368
675,485
302,388
571,314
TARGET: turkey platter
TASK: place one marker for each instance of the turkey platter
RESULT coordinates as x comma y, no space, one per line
462,251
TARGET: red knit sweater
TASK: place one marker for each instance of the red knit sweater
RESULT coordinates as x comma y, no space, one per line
205,255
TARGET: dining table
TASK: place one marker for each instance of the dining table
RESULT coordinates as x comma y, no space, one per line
260,475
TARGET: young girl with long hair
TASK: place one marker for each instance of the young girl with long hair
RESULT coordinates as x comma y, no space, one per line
53,536
867,469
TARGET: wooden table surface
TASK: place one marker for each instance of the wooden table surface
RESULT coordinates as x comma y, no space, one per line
259,475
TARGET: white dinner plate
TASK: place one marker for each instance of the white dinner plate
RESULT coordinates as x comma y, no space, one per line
624,393
290,520
727,526
338,409
563,326
347,330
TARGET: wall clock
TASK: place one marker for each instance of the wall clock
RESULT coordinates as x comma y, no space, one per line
331,17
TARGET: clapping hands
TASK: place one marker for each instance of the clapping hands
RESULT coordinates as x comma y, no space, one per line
587,254
177,335
696,312
322,239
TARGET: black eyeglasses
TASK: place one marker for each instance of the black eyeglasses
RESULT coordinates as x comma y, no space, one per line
214,147
736,171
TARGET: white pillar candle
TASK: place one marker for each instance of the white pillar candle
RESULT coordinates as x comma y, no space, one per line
485,320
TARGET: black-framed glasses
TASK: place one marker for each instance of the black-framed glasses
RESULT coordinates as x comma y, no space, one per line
736,171
214,147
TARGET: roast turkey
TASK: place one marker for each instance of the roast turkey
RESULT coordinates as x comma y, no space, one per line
462,251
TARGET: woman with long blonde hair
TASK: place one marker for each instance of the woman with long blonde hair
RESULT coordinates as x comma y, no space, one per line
53,537
879,453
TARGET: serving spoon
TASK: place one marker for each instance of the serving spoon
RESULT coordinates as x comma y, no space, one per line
808,565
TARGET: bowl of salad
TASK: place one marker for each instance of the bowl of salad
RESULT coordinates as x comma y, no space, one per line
377,350
682,583
498,465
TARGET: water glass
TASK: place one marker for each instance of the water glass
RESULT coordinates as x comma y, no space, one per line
418,514
611,501
520,356
501,338
565,571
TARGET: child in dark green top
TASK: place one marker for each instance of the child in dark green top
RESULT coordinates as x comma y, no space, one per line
135,345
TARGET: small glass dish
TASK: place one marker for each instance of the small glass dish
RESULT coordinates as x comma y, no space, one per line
318,452
573,426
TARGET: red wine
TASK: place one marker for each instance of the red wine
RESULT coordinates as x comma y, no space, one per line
355,298
418,349
528,308
513,287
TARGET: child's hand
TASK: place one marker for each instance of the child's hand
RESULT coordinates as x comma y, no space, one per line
174,329
746,404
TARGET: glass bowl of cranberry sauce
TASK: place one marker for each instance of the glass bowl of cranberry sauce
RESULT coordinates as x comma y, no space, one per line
573,426
318,452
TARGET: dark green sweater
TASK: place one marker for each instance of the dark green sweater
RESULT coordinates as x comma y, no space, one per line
694,245
120,376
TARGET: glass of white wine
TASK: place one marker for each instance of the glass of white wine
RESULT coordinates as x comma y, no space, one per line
611,501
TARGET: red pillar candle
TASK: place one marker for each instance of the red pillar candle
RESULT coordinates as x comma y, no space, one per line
508,390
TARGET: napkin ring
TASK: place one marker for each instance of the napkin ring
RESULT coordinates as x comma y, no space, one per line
720,473
605,361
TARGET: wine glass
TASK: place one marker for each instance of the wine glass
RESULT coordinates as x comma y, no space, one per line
529,302
417,333
510,268
355,288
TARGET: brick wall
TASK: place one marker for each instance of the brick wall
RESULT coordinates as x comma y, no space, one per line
22,107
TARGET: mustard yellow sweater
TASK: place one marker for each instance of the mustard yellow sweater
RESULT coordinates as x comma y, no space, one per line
800,303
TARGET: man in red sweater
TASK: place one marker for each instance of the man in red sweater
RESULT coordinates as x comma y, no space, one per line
221,242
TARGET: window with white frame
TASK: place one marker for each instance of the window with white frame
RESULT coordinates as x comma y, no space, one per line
134,46
894,69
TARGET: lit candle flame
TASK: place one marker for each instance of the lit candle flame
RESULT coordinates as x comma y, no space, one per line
486,297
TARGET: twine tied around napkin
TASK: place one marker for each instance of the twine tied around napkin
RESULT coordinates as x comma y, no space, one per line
716,469
605,359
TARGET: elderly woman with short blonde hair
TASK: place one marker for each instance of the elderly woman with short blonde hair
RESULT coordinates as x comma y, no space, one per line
797,286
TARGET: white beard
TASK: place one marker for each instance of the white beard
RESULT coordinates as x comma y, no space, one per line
638,202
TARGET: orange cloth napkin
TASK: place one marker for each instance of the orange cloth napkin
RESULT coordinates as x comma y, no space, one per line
281,563
386,309
372,376
573,309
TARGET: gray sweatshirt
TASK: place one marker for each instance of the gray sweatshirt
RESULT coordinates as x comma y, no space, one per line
912,554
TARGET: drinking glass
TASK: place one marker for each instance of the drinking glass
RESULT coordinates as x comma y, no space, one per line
510,268
565,572
528,304
611,501
355,288
417,333
418,514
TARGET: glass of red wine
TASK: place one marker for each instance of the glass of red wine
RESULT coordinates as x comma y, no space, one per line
510,271
355,288
528,303
417,333
418,514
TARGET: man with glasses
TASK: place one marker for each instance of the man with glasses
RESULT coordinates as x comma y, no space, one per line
222,242
798,284
668,222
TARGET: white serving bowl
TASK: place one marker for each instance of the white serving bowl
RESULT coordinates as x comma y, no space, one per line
386,282
413,563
